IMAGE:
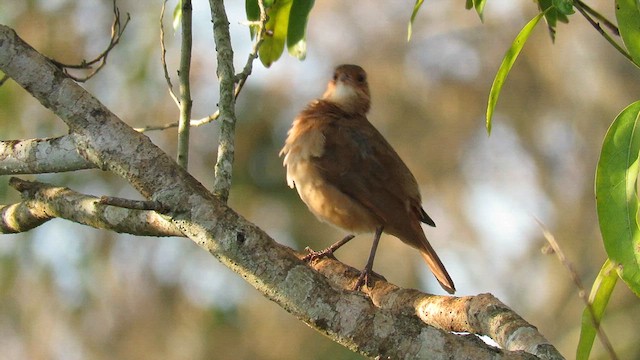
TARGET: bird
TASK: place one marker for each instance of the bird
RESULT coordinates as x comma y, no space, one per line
349,176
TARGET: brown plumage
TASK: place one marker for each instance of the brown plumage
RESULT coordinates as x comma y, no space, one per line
349,175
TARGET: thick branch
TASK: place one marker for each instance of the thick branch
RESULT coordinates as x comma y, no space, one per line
348,317
43,202
482,314
39,156
227,119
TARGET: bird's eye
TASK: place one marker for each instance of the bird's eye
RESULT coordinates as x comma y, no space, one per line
335,76
361,78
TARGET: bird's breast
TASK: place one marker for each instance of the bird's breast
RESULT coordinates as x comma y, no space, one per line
328,203
324,199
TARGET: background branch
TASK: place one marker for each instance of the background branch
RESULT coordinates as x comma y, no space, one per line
43,202
40,156
185,87
260,33
240,78
226,77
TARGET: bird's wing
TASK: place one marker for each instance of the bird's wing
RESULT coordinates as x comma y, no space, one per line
358,161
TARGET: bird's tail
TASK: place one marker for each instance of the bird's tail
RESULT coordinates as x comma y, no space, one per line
437,268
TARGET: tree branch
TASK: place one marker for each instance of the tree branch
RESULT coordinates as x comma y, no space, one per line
348,317
482,314
241,78
226,77
43,202
260,33
185,86
39,156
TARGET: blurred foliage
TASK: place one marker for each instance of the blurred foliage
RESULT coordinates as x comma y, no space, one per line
507,64
74,292
592,315
552,15
617,194
287,22
628,16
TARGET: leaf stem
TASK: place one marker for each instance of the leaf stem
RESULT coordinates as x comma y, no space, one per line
587,12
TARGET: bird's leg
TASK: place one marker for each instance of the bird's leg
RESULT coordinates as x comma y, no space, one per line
328,251
364,274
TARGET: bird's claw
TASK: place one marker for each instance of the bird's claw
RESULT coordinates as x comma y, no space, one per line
363,279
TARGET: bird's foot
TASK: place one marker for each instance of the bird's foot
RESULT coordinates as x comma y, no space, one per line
363,279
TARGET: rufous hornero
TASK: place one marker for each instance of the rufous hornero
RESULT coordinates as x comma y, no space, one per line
349,175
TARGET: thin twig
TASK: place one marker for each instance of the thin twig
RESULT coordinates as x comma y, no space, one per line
133,204
117,29
612,27
240,78
581,290
193,123
185,87
587,15
163,58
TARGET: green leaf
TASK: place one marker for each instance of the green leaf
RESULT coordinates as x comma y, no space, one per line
479,5
416,7
628,16
253,14
507,64
177,16
252,9
565,7
552,15
276,32
617,194
601,291
296,35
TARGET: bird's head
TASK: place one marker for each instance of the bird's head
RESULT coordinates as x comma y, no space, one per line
349,89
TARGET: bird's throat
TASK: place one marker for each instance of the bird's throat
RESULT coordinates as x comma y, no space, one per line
347,98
